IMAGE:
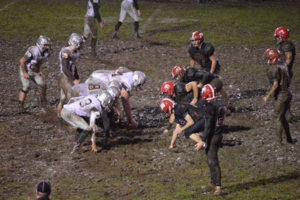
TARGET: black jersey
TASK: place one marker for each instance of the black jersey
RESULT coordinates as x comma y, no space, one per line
198,75
287,46
182,109
181,95
201,55
279,73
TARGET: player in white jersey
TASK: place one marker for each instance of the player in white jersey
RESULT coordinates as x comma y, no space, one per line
128,80
129,7
90,26
30,69
82,109
68,77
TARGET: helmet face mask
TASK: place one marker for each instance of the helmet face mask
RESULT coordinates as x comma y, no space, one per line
197,38
43,43
273,55
76,40
105,99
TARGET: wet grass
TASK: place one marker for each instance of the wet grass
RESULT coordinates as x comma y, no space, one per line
222,24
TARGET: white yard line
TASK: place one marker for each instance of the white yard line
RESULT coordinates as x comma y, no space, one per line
7,5
150,19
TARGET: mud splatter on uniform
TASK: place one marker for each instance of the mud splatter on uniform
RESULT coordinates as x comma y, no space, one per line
287,46
201,56
213,138
282,97
92,13
68,71
34,58
74,112
183,109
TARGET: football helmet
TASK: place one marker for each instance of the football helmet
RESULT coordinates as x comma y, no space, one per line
114,92
178,70
272,55
197,38
75,40
167,87
208,92
139,78
115,83
281,34
43,41
167,105
105,99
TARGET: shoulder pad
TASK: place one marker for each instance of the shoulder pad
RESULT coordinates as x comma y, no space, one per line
209,49
95,1
288,46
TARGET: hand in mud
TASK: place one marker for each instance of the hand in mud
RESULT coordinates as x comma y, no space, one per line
26,75
166,131
94,147
199,146
265,99
171,147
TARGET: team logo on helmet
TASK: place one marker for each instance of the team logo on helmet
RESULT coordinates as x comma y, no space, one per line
273,55
167,105
208,92
282,33
167,87
178,70
197,38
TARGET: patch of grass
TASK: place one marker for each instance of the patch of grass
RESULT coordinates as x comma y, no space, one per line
222,25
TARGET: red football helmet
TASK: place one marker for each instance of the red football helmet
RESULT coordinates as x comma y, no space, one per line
282,33
178,70
167,105
197,38
167,87
273,55
208,92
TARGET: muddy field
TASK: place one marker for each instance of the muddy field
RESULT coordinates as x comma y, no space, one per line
136,164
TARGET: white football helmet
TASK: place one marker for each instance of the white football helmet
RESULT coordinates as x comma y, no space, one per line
76,40
42,41
139,78
105,99
115,83
114,92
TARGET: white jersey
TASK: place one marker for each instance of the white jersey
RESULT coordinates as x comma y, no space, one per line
34,58
129,1
81,89
104,76
71,56
126,79
90,9
84,106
